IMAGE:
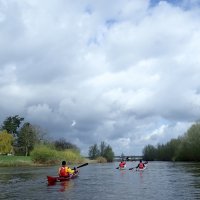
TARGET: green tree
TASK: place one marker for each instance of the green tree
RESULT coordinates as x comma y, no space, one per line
193,137
172,148
185,148
183,151
11,124
27,138
109,154
61,144
102,148
149,152
161,152
6,140
93,151
105,151
190,144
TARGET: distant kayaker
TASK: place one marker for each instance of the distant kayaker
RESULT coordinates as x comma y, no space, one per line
122,164
64,170
140,165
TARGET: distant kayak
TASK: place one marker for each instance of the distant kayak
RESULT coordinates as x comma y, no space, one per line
138,169
122,168
141,169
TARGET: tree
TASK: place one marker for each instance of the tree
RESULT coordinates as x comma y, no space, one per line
93,151
62,144
27,138
172,148
193,138
105,152
109,154
185,148
190,144
11,124
149,152
41,134
6,140
102,148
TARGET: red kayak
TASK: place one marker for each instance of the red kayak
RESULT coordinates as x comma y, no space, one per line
53,179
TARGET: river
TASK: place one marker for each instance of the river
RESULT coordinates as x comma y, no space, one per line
160,181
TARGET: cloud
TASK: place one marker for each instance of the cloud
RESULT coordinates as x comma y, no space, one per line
73,123
128,76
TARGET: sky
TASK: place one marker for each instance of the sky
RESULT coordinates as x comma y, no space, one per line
125,72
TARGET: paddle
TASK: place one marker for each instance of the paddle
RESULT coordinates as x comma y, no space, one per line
82,165
117,167
132,168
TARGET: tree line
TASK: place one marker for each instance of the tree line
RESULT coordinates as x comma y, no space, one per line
101,151
184,148
19,138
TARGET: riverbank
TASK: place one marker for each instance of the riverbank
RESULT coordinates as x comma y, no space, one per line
22,161
15,161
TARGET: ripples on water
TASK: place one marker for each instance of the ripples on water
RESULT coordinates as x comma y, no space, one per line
161,180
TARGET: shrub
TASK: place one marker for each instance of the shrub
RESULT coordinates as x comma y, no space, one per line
44,155
101,159
71,156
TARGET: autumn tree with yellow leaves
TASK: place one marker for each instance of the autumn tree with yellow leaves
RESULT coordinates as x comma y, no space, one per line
6,140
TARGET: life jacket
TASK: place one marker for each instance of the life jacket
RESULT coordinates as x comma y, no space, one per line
141,165
122,164
63,172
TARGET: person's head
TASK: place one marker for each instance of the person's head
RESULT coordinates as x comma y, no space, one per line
140,160
63,162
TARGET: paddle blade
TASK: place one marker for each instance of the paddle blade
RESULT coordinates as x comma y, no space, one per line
82,165
131,168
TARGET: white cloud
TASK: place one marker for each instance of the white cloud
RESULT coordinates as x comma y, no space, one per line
127,75
73,123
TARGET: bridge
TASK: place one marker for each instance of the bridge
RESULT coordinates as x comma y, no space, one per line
128,158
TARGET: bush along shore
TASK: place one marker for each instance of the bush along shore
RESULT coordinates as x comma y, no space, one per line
25,161
45,156
42,156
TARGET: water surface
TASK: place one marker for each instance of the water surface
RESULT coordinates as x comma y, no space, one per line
161,180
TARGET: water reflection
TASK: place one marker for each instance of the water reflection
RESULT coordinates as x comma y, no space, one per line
61,186
193,170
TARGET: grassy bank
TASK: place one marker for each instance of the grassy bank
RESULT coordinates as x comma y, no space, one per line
15,161
44,155
23,161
